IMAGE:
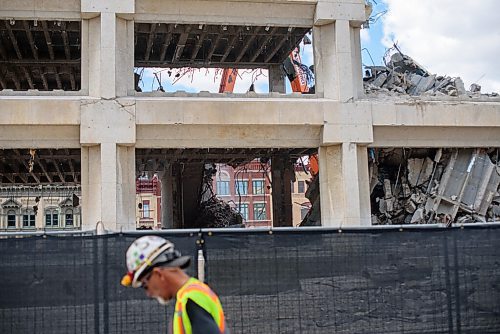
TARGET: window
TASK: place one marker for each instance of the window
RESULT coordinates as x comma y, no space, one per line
303,212
222,187
301,187
259,211
243,210
145,209
241,187
29,219
68,218
258,187
11,218
51,218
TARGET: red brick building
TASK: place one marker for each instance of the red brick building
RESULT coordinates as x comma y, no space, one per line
246,188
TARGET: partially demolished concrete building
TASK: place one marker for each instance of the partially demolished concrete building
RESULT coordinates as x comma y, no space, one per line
385,157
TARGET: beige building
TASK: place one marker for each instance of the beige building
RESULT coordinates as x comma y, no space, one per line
23,209
67,82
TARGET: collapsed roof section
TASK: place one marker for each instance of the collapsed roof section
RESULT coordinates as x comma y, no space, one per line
223,46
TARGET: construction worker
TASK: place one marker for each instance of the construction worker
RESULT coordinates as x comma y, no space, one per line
154,264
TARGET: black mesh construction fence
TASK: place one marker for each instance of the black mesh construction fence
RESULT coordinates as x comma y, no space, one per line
317,281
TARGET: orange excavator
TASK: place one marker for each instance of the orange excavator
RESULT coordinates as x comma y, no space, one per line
299,76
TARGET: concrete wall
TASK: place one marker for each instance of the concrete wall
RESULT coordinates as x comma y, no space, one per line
107,121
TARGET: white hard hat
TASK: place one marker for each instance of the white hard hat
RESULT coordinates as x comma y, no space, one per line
148,252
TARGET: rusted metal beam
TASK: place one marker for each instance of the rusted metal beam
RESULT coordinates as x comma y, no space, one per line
71,166
72,79
151,39
9,177
20,158
2,82
278,46
230,44
3,53
48,40
181,44
58,78
44,79
198,45
28,77
56,165
34,49
213,47
247,44
44,169
34,62
64,33
13,40
166,43
263,45
15,80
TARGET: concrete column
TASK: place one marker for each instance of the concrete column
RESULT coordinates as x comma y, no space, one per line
125,187
337,55
344,186
276,79
108,47
91,187
108,188
124,57
167,203
85,58
281,176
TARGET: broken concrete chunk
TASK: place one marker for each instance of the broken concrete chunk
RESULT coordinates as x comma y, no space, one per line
410,207
418,217
419,171
420,84
380,80
459,84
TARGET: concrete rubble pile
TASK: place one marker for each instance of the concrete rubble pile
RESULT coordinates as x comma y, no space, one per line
421,186
214,212
403,76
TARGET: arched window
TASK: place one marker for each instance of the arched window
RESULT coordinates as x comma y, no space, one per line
68,217
11,219
51,218
28,218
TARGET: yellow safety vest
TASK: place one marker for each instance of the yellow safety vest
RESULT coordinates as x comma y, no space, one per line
202,295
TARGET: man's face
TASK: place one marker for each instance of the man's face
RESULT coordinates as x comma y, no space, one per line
156,284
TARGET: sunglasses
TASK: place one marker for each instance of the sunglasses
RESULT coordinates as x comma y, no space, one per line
145,279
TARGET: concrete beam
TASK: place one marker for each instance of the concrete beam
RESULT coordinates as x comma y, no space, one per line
123,8
39,111
223,136
329,11
434,113
39,136
438,136
42,10
284,13
231,111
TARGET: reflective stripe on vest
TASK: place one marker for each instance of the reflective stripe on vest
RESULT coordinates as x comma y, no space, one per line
204,297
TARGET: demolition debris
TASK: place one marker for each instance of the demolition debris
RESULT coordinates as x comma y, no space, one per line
403,76
420,186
